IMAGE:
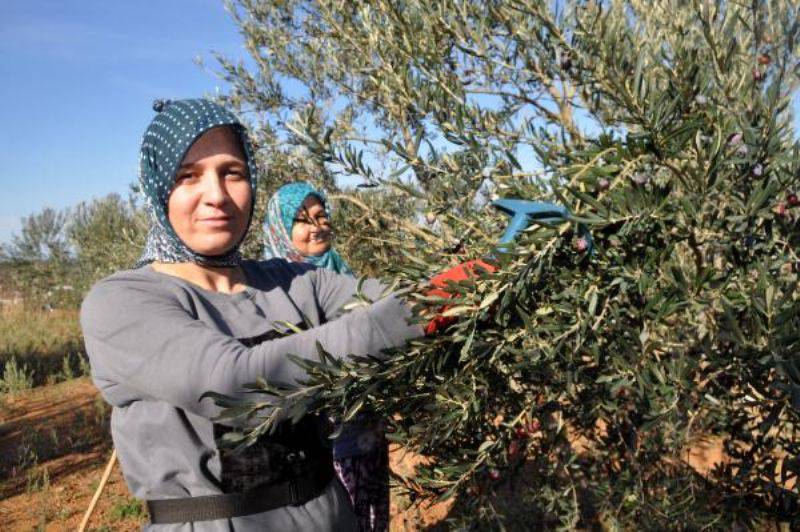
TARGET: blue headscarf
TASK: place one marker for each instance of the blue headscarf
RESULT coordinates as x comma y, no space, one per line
281,211
169,136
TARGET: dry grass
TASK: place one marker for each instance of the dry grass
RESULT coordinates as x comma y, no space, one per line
47,346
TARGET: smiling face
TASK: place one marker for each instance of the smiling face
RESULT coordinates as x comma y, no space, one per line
209,206
311,231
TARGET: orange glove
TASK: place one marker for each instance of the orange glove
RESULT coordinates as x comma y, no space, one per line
461,272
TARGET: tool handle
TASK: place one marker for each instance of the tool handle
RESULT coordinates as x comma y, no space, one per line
524,213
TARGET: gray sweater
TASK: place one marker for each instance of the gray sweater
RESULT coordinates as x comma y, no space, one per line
156,343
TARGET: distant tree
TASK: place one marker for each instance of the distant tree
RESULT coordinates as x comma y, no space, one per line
107,235
58,255
42,237
38,259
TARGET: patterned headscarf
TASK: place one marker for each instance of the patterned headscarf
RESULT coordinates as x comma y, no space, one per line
169,136
281,211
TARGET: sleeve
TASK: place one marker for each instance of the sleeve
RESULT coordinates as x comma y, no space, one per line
143,345
333,290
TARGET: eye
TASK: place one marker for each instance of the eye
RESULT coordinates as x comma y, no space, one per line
235,174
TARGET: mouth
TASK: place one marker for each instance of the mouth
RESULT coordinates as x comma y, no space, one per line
318,238
216,221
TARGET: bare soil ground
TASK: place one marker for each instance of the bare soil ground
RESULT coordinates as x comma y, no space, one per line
56,438
55,444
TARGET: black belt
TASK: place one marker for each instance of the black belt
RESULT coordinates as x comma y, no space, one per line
208,507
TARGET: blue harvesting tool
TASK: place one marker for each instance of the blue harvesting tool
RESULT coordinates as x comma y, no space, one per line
523,213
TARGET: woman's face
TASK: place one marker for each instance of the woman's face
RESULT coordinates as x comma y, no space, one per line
311,232
209,205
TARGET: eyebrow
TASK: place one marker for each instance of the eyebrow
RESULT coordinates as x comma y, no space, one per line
232,162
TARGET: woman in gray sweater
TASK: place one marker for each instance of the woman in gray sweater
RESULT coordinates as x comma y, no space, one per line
194,317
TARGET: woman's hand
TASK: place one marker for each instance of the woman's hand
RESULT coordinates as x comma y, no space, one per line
462,272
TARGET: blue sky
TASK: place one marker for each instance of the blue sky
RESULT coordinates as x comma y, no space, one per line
78,79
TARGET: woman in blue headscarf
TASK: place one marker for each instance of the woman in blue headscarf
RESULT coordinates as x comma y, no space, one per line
297,228
195,316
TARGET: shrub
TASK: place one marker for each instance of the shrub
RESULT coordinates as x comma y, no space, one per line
16,377
127,508
44,342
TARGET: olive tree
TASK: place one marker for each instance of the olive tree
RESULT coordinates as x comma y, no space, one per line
578,377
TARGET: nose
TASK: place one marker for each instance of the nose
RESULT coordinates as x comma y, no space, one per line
214,190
